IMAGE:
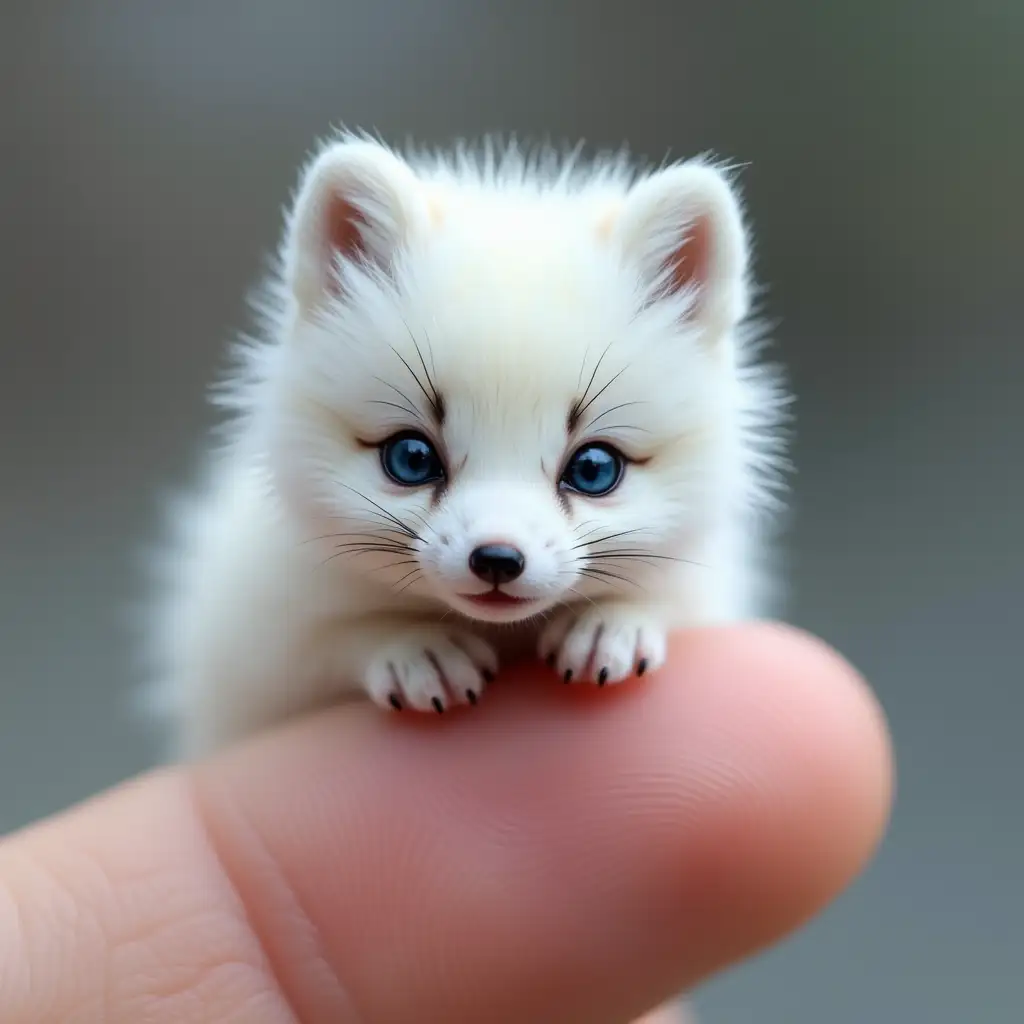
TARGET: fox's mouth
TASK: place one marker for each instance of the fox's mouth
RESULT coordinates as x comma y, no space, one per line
497,598
497,605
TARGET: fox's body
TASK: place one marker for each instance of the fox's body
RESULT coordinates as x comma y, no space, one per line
498,408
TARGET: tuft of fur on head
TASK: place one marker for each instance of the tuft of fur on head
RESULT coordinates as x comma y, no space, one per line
512,305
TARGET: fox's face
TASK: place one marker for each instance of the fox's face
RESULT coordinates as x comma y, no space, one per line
503,399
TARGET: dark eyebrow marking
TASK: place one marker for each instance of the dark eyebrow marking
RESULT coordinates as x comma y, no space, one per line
435,400
576,409
582,404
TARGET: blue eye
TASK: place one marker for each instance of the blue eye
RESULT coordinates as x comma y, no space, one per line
411,460
595,470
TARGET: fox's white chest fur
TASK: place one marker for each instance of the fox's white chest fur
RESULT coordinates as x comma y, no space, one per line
499,407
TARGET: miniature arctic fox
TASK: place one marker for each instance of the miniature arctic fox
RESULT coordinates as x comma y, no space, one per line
501,405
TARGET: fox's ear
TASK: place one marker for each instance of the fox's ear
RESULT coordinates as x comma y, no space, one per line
683,228
357,202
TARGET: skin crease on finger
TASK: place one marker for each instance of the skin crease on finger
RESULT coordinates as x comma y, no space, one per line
553,854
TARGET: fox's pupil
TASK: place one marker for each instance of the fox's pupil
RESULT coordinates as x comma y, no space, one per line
415,456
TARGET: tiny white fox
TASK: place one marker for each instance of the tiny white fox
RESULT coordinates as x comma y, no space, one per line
501,404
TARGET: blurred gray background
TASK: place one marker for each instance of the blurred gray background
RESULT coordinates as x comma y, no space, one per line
145,152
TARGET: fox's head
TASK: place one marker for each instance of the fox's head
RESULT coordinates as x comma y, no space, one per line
505,384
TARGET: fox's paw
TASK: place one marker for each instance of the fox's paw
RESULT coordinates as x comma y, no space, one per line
605,643
430,669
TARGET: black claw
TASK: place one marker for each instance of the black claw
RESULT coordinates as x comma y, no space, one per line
395,702
471,696
568,676
641,666
550,659
602,677
438,706
488,675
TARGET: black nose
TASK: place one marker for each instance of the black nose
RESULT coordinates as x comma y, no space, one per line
497,563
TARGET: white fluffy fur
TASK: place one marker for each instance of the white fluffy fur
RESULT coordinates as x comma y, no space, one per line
520,285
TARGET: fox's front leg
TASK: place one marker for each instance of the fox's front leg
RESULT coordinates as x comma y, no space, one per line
397,664
605,642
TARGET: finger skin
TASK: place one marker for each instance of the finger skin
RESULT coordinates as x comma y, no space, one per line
552,854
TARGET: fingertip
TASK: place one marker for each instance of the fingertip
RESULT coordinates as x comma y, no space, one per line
590,848
795,744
